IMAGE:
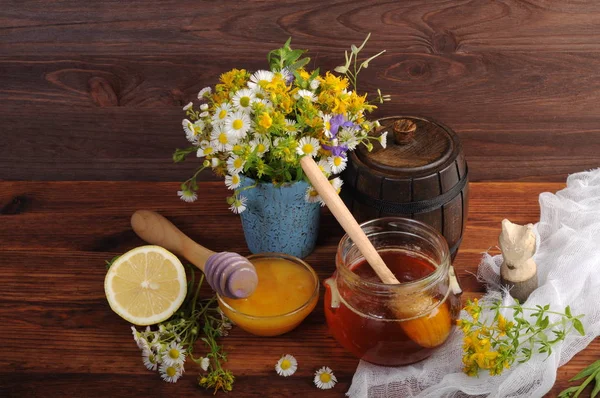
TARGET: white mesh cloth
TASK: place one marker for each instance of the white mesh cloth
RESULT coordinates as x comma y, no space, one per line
568,259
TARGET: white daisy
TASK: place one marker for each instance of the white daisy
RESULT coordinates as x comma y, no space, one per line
232,181
290,127
190,131
204,114
286,366
221,140
204,107
263,101
306,94
383,139
174,354
326,124
348,138
324,166
337,164
260,144
312,196
187,196
243,99
238,205
137,337
260,77
337,183
214,162
151,360
171,373
204,92
237,124
206,148
235,164
324,378
221,113
204,363
308,146
314,84
188,106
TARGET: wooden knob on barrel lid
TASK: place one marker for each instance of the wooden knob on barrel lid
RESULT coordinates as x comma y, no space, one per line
421,174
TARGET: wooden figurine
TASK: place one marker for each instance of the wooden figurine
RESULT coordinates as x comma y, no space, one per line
518,271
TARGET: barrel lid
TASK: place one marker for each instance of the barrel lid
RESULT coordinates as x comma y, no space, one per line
414,145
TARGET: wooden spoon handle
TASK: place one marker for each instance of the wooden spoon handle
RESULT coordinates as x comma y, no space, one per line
346,220
157,230
229,274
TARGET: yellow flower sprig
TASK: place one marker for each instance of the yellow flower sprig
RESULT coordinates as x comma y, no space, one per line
495,344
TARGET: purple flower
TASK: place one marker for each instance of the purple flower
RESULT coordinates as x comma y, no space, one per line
339,150
338,121
287,76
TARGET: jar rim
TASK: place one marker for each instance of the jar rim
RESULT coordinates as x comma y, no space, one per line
381,288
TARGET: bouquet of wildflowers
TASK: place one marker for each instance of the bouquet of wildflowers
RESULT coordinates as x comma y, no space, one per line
258,125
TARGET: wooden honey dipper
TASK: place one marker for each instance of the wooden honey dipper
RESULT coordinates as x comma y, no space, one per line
428,331
229,274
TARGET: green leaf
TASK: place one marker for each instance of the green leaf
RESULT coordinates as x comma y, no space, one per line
110,262
595,367
567,393
544,323
596,389
568,311
578,326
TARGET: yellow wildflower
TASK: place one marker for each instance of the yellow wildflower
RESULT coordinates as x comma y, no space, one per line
333,83
264,120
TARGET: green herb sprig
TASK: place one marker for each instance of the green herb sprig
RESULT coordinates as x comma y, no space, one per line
196,319
592,372
495,344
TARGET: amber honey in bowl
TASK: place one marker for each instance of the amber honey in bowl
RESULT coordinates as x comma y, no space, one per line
392,324
287,291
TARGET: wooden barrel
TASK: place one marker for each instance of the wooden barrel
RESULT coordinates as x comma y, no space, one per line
421,174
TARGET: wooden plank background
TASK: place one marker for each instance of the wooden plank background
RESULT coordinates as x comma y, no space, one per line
93,90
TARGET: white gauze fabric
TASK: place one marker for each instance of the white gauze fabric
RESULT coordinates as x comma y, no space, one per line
568,260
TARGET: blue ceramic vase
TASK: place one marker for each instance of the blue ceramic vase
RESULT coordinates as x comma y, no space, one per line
278,219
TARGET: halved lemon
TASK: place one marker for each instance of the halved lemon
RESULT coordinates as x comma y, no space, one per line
146,285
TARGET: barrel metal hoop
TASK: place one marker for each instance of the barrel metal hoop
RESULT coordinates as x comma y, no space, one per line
421,206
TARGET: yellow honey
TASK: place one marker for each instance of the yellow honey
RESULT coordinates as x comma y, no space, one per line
286,293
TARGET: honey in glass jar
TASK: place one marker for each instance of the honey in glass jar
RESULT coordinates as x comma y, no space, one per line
393,324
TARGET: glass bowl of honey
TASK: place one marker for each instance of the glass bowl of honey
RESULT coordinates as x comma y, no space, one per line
395,324
287,291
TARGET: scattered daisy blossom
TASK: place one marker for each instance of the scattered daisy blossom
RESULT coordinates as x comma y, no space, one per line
221,113
206,149
286,366
205,363
260,77
238,123
150,359
337,183
171,373
238,205
204,91
308,146
243,99
232,181
173,354
383,139
312,196
188,106
306,94
188,196
324,378
235,164
337,164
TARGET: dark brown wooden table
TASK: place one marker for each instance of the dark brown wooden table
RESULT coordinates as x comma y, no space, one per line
60,338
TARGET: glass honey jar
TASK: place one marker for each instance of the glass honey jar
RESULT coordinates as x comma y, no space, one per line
393,324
